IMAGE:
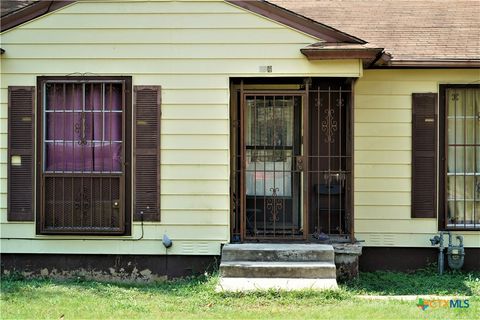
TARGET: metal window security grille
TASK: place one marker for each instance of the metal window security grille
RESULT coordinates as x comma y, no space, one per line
463,158
82,156
20,153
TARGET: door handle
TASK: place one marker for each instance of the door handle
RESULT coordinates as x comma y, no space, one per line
116,204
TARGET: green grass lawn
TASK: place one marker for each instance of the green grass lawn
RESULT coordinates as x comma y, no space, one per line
196,298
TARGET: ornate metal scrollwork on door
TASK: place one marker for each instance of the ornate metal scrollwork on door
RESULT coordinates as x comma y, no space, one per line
274,205
329,125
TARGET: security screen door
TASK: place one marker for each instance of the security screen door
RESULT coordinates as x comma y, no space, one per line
292,166
273,164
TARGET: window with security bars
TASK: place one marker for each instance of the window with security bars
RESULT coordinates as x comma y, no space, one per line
83,155
83,127
462,157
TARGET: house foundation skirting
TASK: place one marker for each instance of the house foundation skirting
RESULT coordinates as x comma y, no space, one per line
159,267
404,259
136,268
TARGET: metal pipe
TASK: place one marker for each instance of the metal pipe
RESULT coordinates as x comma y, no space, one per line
455,253
440,255
439,240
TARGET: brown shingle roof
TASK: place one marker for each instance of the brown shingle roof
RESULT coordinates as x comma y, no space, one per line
408,29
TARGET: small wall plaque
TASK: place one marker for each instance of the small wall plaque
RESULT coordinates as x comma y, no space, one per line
267,69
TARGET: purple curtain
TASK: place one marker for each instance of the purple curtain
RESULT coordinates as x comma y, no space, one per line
71,157
80,139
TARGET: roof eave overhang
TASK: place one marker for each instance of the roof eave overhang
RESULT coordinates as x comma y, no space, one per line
296,21
432,63
378,58
369,56
30,12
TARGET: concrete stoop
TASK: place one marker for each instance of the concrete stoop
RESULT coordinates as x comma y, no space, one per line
246,267
288,284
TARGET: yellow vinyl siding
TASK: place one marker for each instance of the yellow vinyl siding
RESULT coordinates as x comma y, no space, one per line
385,129
234,67
376,101
191,49
379,115
393,87
194,172
378,198
414,238
198,157
191,126
383,157
195,142
380,212
194,186
383,146
386,185
383,143
174,7
161,51
3,196
156,36
382,171
196,201
143,247
135,20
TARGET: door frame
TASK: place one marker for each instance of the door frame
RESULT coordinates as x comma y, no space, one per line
299,86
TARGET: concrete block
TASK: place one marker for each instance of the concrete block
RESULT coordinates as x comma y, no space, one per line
288,284
262,269
277,252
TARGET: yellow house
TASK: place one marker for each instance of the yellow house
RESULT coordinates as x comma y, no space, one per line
125,124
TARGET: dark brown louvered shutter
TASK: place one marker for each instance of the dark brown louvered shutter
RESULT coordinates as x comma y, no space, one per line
21,104
147,152
424,151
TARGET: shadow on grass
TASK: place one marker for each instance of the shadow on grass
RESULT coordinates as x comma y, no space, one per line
201,286
16,284
419,282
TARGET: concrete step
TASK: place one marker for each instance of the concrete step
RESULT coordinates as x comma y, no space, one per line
282,269
288,284
278,252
